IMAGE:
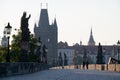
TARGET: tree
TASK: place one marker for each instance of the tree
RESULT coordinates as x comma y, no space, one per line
33,56
16,49
3,51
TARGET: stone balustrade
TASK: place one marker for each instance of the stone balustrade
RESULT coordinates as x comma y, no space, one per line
10,69
109,67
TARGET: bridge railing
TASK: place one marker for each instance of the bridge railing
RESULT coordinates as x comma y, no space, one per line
108,67
10,69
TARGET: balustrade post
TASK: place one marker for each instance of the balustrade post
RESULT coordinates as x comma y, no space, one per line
95,66
115,67
107,67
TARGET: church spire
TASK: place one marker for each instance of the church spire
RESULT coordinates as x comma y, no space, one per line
91,31
91,41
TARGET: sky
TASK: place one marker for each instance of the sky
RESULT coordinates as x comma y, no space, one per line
75,18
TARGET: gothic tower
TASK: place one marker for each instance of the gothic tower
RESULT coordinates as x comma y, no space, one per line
48,35
91,41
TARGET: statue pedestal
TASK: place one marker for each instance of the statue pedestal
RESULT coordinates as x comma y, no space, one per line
24,51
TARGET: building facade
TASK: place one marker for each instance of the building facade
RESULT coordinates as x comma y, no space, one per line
92,51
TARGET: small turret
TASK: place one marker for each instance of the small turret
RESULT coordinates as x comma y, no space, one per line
55,22
35,25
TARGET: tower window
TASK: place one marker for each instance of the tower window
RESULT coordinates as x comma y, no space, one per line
48,40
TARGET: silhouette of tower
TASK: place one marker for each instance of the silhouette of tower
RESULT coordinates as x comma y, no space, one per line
48,34
91,41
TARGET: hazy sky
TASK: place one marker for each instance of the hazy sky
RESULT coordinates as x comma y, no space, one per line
74,18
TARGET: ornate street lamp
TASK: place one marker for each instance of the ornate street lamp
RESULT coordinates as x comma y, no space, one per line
118,43
8,29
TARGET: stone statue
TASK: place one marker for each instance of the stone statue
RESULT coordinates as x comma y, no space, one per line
99,55
24,27
65,59
85,59
60,60
24,20
25,36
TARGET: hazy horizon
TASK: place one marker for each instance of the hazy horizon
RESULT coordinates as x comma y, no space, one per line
74,18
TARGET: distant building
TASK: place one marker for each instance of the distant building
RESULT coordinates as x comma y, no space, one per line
92,51
4,41
48,34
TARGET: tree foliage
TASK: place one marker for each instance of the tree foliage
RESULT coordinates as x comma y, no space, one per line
3,51
15,49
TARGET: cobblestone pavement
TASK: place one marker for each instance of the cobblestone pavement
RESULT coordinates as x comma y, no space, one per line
67,74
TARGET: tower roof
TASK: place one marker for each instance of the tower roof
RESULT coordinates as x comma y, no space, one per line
44,19
91,41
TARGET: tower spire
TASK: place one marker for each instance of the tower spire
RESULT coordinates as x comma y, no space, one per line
91,41
91,30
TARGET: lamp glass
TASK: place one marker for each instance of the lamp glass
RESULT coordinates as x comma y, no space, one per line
8,29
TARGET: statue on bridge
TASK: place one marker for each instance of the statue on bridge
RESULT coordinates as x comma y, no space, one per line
25,36
100,56
24,27
85,60
60,60
65,59
44,55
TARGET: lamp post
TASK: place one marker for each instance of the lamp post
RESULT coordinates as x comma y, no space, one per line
8,29
118,43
